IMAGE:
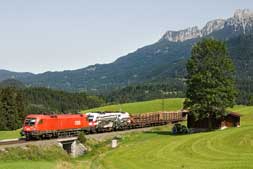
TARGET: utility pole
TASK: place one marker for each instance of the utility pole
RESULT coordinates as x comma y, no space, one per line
163,101
120,108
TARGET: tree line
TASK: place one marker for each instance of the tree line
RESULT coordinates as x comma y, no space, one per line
16,103
143,92
12,109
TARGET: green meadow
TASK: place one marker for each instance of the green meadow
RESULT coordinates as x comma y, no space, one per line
227,149
157,149
143,107
9,134
222,149
27,165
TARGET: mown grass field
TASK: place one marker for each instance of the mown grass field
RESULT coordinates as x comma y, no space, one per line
227,149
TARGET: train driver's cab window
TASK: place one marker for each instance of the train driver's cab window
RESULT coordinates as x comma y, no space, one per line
90,118
30,122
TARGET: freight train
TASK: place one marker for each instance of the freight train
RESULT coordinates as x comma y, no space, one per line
38,126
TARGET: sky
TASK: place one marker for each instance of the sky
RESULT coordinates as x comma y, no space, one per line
54,35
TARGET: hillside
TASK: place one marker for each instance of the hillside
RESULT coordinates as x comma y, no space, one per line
163,61
225,149
230,148
12,83
150,63
143,107
5,74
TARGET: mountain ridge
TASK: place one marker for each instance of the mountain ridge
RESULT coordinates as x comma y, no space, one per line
6,74
162,61
242,19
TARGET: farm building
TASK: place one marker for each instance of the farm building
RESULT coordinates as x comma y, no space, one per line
230,120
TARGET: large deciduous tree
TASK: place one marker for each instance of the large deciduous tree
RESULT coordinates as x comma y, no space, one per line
210,80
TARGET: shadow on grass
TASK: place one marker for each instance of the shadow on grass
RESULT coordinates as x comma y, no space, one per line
182,134
171,134
159,132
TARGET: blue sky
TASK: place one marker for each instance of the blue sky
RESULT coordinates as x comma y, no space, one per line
55,35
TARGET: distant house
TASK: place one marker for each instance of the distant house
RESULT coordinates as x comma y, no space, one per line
230,120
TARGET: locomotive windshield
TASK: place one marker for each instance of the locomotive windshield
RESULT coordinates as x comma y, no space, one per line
90,118
30,121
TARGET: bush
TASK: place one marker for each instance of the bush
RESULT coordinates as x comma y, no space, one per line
180,129
32,152
82,138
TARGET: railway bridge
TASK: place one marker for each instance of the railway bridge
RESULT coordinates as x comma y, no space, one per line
69,144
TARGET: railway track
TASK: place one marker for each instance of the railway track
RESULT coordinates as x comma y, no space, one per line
13,141
96,136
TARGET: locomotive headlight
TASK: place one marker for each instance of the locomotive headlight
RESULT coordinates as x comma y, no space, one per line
27,129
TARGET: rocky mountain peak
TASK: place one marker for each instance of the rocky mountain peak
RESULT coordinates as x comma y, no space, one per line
242,14
242,21
182,35
212,26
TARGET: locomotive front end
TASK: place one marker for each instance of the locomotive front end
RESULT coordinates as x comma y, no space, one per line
29,127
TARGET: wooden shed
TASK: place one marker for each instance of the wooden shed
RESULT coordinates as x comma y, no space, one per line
230,120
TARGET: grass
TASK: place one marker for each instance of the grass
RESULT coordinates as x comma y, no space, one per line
9,134
142,107
220,149
34,153
27,165
34,157
227,149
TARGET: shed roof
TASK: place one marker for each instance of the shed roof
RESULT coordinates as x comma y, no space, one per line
234,114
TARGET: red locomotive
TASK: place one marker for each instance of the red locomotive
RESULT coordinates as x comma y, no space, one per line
48,126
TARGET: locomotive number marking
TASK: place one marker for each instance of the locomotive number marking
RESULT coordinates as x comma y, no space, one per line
77,123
